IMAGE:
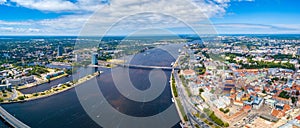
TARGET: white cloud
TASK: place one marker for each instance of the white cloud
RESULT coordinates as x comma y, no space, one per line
59,5
259,26
114,12
47,5
164,14
245,0
222,1
2,1
66,25
242,28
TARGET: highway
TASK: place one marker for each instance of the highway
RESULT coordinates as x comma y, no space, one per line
14,122
185,99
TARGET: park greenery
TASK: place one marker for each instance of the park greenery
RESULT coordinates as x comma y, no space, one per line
262,64
105,57
21,97
174,86
283,56
69,71
37,70
284,94
206,55
224,111
214,118
259,64
294,99
200,70
201,90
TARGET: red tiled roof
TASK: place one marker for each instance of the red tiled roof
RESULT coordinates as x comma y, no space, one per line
277,113
286,107
287,89
188,72
281,99
298,117
247,108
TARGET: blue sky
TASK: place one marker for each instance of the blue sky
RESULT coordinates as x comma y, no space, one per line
63,17
263,12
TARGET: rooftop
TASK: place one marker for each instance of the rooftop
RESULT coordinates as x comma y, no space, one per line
188,72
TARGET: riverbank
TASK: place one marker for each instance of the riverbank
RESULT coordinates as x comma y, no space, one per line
53,91
175,100
175,95
41,81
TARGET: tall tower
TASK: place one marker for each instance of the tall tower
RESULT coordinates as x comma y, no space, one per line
94,59
298,51
59,50
77,58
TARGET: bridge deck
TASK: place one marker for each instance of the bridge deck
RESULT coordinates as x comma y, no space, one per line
145,66
14,122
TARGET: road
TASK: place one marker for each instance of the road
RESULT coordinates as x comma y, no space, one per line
14,95
186,99
187,105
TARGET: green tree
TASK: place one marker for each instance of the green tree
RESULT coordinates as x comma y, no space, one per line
226,125
294,99
201,90
221,109
226,111
21,98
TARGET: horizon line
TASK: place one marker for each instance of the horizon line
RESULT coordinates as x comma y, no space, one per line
144,35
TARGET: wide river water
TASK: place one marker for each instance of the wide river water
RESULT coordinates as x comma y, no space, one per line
64,110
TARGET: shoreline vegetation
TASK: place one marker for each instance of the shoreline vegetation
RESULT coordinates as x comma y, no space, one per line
53,91
175,98
41,82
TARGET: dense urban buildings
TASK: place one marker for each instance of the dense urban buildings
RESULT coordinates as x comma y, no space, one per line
234,84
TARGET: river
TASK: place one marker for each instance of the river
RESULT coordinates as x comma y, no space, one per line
65,110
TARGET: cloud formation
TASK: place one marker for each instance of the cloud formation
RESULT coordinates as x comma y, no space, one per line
115,10
2,1
243,28
112,11
56,5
